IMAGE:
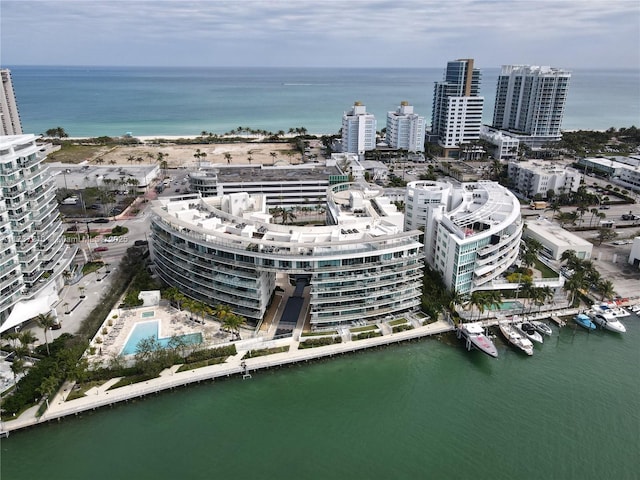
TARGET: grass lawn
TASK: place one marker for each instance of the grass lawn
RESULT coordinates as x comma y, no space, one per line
76,153
203,363
544,270
319,334
363,329
265,351
91,267
399,321
81,391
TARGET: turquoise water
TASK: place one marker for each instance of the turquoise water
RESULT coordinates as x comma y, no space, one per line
427,409
509,305
93,101
144,330
148,314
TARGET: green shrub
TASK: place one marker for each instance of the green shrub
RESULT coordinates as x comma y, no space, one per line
402,328
365,335
319,342
207,354
119,230
265,351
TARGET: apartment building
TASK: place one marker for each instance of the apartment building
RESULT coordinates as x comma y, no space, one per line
358,130
457,106
471,231
10,123
227,249
530,102
33,252
537,178
405,129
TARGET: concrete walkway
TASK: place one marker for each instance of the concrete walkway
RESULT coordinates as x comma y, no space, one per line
101,396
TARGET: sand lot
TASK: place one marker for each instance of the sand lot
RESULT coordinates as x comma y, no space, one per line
183,155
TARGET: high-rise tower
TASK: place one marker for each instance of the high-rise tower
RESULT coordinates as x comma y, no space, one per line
530,102
358,130
9,117
405,129
457,106
33,253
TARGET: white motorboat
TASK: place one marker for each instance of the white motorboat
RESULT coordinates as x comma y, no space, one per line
636,308
610,323
610,310
529,331
475,336
542,327
516,339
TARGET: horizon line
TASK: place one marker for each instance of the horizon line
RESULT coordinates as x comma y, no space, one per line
311,67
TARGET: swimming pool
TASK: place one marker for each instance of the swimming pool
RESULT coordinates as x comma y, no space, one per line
144,330
148,314
508,305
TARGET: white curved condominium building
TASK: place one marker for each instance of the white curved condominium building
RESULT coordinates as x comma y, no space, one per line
361,266
471,231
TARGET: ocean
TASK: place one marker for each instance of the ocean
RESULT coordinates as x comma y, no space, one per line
95,101
425,409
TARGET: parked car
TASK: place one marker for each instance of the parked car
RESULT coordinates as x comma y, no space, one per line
140,243
101,220
100,249
57,324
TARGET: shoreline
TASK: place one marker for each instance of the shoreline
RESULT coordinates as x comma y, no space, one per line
170,379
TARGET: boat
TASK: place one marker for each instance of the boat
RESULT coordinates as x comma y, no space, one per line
611,324
475,336
584,321
636,308
529,331
610,310
515,338
542,327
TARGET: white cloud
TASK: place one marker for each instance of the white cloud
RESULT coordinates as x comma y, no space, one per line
421,33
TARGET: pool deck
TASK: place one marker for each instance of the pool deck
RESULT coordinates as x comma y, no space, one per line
114,333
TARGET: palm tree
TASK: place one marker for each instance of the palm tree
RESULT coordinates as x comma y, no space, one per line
232,323
287,215
478,300
276,212
555,208
606,289
27,338
45,321
222,311
273,156
249,159
48,387
17,367
227,157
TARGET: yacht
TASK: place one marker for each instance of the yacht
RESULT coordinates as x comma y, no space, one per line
516,339
610,310
475,336
612,324
542,327
529,331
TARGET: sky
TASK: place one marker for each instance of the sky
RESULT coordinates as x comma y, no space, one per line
320,33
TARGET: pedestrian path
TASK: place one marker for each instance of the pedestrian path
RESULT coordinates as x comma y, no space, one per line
101,396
